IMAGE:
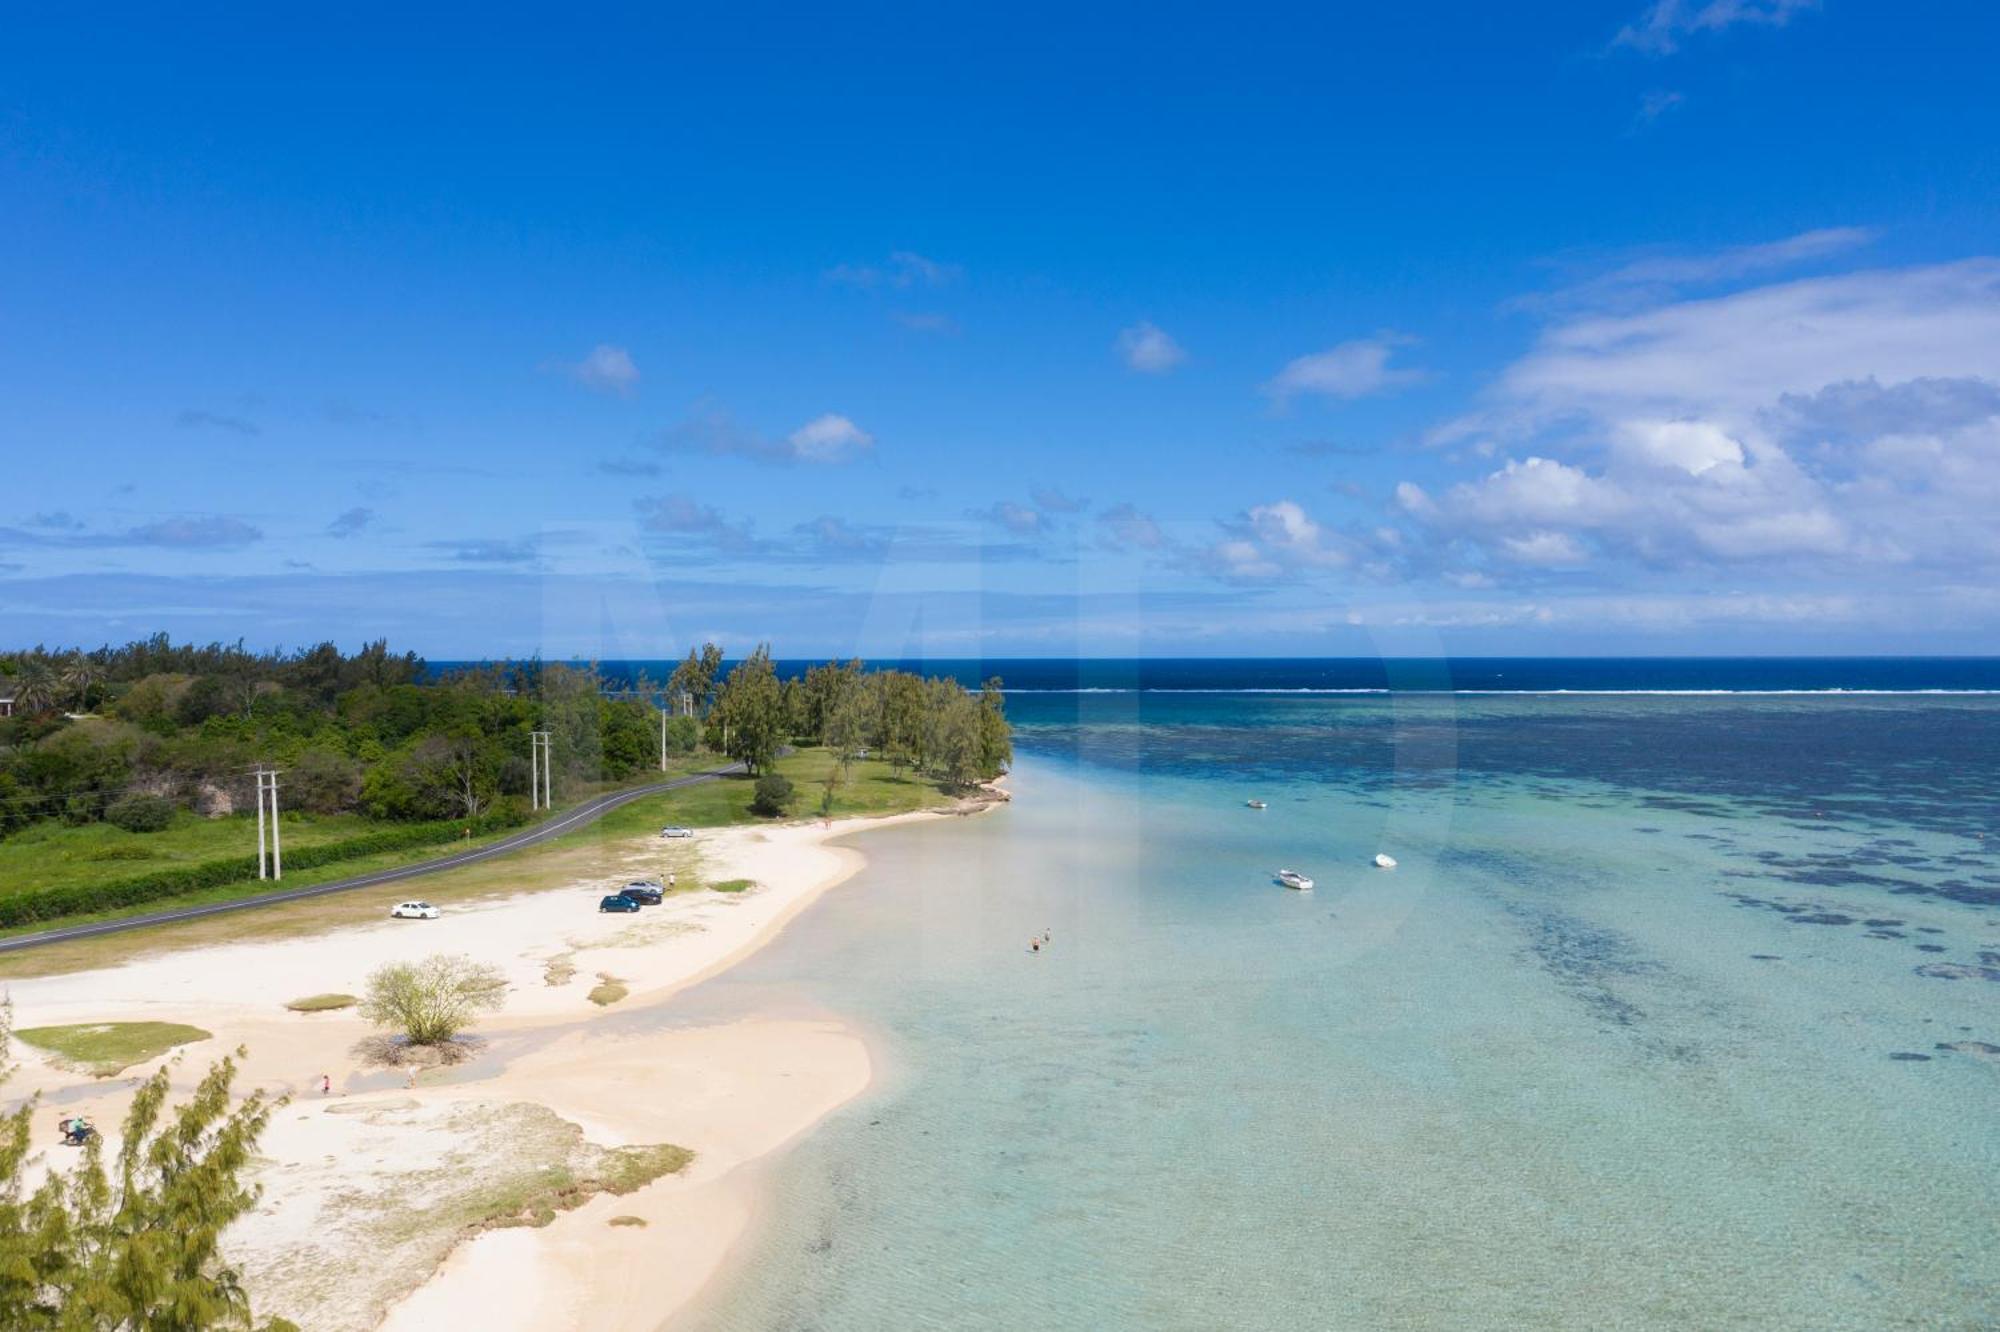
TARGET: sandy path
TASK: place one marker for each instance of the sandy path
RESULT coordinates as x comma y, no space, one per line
366,1191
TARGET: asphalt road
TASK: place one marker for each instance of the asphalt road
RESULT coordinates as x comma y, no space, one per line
588,812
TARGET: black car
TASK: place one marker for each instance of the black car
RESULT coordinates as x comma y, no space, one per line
645,894
618,903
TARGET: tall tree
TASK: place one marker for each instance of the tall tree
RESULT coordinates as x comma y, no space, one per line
750,711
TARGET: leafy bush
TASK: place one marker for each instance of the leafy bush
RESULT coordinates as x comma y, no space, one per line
773,796
140,813
432,1001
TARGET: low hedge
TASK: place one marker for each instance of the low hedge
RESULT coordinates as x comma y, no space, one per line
45,904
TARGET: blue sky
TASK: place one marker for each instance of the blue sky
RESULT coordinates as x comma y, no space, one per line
1664,327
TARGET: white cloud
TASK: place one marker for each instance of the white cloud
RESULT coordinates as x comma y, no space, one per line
1125,527
1844,426
1019,519
1693,447
1351,370
1654,279
903,270
607,369
1546,550
1147,348
1657,103
828,438
1275,539
1665,22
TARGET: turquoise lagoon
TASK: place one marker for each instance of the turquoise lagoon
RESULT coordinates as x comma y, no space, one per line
1678,1012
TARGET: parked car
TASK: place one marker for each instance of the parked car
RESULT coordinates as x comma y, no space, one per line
677,831
618,902
414,911
645,894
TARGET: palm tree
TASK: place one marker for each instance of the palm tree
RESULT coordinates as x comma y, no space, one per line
37,687
79,673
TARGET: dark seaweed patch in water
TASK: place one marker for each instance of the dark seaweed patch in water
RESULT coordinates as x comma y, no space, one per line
1910,1057
1588,960
1766,957
1983,1049
1958,971
1931,948
1882,923
1821,918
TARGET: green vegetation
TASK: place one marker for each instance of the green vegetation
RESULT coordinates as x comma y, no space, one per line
135,1245
125,773
104,1049
323,1003
608,990
772,795
637,1221
432,1001
536,1199
733,886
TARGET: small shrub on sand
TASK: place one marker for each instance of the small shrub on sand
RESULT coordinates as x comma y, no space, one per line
734,886
323,1003
559,970
107,1048
638,1221
432,1001
608,990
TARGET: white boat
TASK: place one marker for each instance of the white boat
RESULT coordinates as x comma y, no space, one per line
1294,879
1384,861
1255,804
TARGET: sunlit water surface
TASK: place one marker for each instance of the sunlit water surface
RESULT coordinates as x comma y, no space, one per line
1677,1013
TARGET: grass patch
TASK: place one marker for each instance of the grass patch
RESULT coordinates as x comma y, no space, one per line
871,786
608,990
733,886
52,855
638,1221
538,1198
103,1049
323,1003
559,970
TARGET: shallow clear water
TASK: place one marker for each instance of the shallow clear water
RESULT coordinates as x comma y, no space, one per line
1616,1045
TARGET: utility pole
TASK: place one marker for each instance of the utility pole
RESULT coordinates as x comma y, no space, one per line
277,853
541,786
260,825
267,789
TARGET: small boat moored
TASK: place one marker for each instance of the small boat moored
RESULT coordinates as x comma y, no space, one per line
1294,879
1255,804
1383,861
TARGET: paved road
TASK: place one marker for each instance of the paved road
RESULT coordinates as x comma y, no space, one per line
588,812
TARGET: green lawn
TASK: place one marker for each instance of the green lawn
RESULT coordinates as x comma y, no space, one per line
52,855
107,1048
870,787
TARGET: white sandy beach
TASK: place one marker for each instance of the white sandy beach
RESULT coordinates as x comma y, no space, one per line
361,1222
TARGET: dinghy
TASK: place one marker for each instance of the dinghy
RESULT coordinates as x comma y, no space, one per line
1384,861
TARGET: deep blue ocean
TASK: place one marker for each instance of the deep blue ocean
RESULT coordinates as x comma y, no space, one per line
1418,674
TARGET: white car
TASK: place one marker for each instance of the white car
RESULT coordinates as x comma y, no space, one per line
414,911
677,831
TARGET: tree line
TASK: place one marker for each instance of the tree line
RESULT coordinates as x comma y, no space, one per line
133,734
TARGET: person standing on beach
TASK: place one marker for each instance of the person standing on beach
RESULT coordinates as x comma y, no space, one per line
325,1085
